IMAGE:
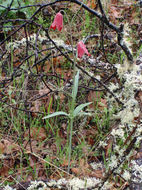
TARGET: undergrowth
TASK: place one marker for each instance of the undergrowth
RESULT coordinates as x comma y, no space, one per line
37,80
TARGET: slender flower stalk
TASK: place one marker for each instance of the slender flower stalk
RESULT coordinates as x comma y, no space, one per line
74,111
70,142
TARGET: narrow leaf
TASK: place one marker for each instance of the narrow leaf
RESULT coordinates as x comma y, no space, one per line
75,87
84,114
55,114
80,107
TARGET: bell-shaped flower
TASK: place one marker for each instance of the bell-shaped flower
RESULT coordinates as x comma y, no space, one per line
58,22
81,49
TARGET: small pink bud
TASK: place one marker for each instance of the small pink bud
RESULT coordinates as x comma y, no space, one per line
81,49
58,22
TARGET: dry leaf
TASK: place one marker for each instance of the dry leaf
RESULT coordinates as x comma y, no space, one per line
76,171
102,104
93,4
6,167
47,67
94,97
32,161
2,147
65,163
108,148
34,144
97,173
140,96
115,12
36,107
7,147
114,2
38,133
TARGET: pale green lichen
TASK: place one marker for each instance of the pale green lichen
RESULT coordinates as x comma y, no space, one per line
118,133
7,187
61,182
113,161
137,172
132,82
96,165
52,183
102,144
33,38
77,183
40,185
118,150
113,86
126,175
74,184
107,186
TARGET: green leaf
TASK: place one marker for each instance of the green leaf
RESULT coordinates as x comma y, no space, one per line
75,87
80,107
84,114
55,114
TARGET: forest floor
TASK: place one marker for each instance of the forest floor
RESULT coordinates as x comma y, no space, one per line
37,79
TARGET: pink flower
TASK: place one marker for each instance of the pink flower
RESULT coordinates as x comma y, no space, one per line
81,49
58,22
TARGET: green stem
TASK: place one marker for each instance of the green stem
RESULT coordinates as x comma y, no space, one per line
70,142
71,120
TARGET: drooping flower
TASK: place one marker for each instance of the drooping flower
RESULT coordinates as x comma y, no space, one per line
58,22
81,49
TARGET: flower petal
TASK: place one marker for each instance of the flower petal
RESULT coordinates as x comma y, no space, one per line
53,26
58,22
81,49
